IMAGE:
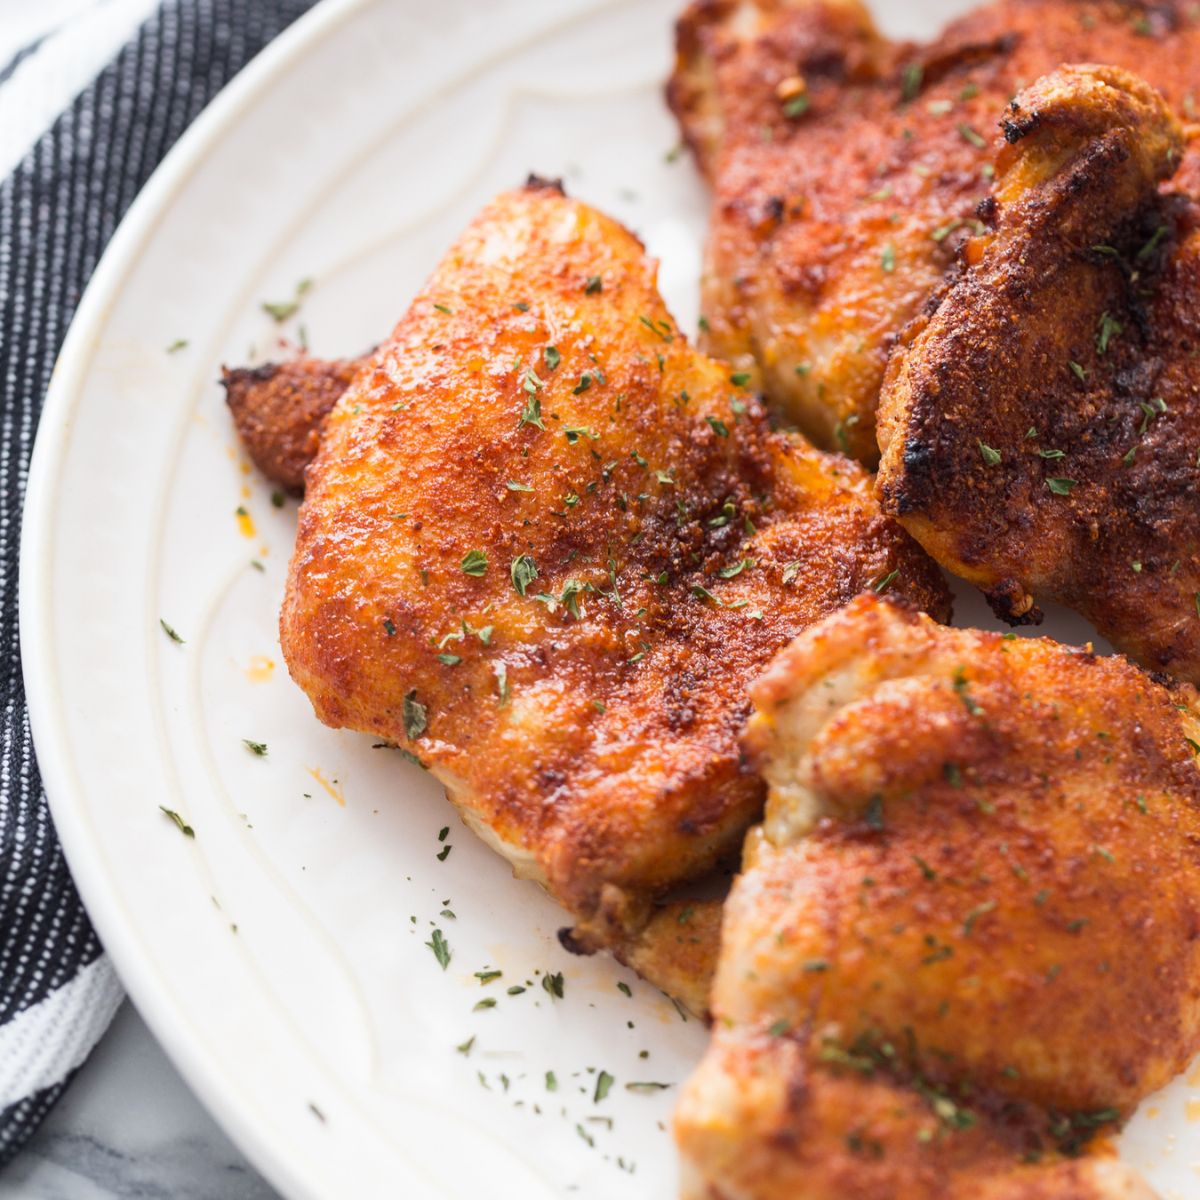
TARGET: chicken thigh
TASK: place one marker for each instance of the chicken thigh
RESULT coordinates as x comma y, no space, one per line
545,546
1041,426
848,170
966,939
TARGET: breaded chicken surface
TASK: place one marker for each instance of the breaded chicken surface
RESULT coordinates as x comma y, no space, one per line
847,170
1041,427
966,939
546,546
278,410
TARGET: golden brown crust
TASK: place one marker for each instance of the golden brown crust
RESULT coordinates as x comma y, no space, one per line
831,228
278,410
784,1130
591,732
973,910
677,950
1040,426
729,52
785,235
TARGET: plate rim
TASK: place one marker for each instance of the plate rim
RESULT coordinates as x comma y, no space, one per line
236,1117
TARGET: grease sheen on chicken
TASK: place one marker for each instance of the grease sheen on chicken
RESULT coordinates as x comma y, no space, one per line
966,940
545,545
1041,427
847,170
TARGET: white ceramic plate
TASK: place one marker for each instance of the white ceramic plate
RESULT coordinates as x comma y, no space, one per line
281,955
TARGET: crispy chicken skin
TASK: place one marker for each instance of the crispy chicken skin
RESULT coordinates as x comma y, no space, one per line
847,171
676,949
1041,428
278,410
546,545
792,288
966,939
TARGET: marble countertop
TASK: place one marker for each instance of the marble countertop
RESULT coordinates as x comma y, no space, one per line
130,1127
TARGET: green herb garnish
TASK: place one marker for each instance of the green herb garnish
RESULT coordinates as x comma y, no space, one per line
1061,487
179,822
1109,329
523,572
440,948
969,135
475,562
415,715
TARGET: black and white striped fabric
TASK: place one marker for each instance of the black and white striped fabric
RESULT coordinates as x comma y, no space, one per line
61,198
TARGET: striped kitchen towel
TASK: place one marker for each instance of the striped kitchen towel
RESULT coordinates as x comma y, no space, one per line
93,93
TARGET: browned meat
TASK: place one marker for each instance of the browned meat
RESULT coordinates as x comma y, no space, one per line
546,545
847,170
278,409
964,939
1040,428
